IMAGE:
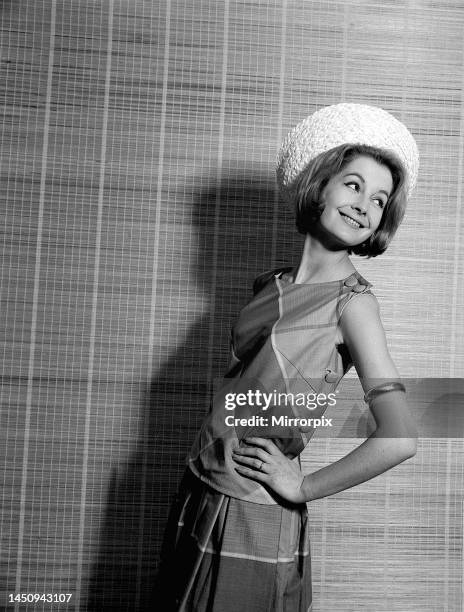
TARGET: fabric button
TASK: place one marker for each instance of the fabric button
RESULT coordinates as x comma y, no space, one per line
331,377
351,281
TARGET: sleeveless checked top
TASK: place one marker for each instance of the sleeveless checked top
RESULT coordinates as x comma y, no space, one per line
283,345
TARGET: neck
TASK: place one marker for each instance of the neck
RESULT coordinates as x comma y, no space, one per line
318,264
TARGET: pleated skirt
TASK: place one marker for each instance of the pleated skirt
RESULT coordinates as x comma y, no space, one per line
223,554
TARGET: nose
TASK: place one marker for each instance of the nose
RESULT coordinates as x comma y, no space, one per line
361,204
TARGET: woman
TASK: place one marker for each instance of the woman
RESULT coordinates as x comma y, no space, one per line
240,537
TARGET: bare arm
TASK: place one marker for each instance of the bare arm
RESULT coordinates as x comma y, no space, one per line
395,438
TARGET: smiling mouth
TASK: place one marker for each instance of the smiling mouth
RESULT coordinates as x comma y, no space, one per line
349,221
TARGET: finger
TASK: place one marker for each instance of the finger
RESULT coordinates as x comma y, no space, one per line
249,473
268,445
254,464
252,451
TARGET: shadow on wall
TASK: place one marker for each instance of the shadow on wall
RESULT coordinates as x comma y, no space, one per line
141,492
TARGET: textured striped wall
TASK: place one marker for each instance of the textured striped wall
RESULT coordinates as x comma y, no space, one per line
138,203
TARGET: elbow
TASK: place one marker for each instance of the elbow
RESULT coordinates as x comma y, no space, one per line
408,447
402,441
400,448
409,442
405,448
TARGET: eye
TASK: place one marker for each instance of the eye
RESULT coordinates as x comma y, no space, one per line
353,185
380,203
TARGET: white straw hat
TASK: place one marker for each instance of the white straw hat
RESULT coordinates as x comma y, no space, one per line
339,124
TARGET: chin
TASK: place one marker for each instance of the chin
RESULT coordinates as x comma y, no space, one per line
340,239
351,241
343,242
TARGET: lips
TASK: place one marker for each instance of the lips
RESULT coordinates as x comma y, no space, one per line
351,221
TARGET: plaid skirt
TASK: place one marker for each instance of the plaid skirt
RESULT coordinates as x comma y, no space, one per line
223,554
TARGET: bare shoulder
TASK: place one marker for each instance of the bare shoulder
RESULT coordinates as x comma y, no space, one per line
364,335
362,305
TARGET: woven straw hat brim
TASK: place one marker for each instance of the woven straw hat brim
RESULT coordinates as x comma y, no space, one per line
339,124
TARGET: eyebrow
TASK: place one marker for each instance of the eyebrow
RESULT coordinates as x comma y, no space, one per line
364,182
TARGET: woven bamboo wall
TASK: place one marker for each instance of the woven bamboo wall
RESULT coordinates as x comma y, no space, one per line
138,203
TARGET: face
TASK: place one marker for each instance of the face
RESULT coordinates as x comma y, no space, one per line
354,200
